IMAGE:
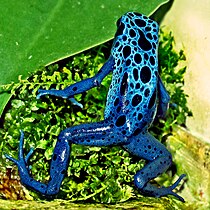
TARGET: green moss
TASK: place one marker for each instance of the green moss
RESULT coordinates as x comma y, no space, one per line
95,174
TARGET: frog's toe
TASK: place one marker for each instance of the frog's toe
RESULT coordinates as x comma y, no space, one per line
52,92
29,155
41,93
75,102
177,196
172,187
12,159
177,182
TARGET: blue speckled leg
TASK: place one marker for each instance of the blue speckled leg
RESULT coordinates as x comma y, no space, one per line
82,86
164,99
94,134
148,148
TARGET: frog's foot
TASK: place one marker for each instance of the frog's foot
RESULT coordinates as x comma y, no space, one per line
58,93
159,159
151,190
52,92
24,169
22,160
172,187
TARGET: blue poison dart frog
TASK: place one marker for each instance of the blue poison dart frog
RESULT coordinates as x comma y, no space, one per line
135,97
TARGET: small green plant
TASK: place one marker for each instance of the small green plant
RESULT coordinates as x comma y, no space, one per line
95,174
172,72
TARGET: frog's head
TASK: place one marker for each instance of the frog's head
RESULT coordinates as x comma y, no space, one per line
135,26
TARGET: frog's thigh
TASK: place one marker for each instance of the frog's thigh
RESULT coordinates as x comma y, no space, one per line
93,134
149,148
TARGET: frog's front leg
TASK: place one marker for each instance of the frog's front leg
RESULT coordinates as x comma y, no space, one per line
82,86
163,98
148,148
94,134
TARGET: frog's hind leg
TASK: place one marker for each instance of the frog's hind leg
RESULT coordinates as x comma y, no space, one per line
94,134
163,98
147,147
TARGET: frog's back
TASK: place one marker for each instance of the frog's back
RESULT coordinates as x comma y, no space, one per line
131,100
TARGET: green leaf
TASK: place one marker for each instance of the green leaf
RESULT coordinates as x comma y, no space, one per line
37,33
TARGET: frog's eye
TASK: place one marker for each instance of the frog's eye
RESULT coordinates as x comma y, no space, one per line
118,22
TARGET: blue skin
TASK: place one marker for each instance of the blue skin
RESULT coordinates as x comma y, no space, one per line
136,96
